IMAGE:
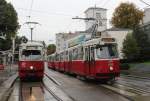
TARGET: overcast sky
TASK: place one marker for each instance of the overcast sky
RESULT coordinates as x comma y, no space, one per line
56,15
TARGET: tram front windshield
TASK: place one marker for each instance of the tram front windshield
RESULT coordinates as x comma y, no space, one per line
31,55
106,51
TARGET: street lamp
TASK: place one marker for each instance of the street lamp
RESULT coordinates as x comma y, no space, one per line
32,25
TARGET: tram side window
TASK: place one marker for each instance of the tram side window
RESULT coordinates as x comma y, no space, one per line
57,57
75,54
61,57
80,53
92,53
86,54
1,61
66,58
70,55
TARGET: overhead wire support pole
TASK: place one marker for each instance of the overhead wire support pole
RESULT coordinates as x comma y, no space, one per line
95,25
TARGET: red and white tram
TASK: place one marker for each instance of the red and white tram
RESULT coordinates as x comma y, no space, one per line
94,59
31,60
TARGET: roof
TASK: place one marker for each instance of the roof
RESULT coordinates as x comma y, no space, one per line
32,43
98,8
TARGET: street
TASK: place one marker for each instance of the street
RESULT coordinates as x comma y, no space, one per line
57,86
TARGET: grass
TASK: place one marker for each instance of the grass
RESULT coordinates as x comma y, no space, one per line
147,62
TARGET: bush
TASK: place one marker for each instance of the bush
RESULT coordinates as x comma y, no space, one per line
124,66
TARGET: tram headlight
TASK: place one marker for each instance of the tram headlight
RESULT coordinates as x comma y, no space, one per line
111,68
31,67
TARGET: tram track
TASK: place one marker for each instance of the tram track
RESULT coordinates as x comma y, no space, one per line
128,87
145,79
46,89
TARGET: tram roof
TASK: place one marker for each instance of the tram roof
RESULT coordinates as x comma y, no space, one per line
100,41
32,43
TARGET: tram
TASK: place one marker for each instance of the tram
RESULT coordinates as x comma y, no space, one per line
94,59
31,60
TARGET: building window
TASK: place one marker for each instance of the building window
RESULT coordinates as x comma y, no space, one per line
98,16
100,23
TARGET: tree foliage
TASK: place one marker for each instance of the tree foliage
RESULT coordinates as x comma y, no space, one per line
51,49
143,42
126,15
8,24
130,47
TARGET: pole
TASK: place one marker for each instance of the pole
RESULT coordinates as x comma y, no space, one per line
13,49
31,33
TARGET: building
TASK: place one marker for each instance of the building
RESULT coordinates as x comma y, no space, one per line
61,39
119,34
99,14
146,18
146,22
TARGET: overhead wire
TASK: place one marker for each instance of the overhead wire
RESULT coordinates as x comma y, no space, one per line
30,10
49,13
145,2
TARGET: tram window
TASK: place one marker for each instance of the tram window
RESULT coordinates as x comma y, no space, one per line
66,55
31,55
75,54
112,51
92,53
61,57
80,53
70,55
86,54
106,51
1,61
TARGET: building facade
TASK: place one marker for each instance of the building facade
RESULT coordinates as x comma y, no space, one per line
146,18
146,22
119,34
61,39
100,14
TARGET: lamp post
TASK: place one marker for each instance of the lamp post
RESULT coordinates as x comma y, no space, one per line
32,25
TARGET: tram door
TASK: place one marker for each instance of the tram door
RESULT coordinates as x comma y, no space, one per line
70,61
89,61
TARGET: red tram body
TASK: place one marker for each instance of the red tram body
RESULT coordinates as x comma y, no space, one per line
94,59
31,60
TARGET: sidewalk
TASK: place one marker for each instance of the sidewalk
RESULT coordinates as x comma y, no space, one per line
8,71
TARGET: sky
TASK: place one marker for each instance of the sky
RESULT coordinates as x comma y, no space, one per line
55,16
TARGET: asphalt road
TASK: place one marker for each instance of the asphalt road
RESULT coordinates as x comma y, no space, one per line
84,91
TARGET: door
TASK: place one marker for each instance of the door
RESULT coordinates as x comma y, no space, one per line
92,61
70,61
89,61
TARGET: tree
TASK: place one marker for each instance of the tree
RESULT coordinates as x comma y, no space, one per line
143,42
8,24
130,47
51,49
126,15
